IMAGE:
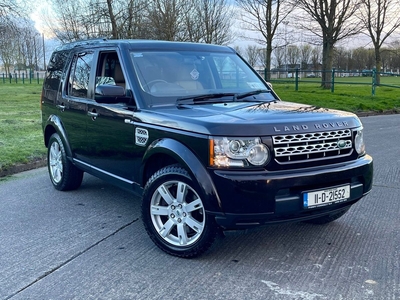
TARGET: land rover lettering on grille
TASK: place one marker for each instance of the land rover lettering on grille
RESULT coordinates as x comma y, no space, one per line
305,127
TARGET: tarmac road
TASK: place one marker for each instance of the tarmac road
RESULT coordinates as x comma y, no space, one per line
91,244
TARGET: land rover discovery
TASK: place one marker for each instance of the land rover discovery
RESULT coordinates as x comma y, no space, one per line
200,137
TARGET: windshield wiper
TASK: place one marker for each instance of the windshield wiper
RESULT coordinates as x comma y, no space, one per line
251,93
216,97
206,98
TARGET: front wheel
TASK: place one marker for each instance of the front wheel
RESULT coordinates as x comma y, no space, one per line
63,174
174,216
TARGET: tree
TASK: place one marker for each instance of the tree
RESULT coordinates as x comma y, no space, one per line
252,55
305,55
207,21
264,17
167,19
215,20
80,19
293,55
8,46
363,58
8,10
316,58
334,22
279,56
380,18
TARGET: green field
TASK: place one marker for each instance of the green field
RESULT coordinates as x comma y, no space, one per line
21,138
350,93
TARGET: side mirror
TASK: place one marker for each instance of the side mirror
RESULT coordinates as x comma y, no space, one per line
106,93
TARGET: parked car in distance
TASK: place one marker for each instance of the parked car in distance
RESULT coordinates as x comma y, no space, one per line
200,137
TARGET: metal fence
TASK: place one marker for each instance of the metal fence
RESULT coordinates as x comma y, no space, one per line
298,77
23,77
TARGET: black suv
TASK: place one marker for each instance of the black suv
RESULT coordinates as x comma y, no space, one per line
200,137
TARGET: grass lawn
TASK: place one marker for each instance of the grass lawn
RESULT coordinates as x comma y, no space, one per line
21,139
350,94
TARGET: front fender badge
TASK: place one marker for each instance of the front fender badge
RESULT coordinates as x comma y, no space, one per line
141,136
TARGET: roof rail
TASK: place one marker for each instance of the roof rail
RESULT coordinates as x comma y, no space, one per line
79,43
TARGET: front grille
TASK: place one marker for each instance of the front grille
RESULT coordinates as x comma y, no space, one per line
293,148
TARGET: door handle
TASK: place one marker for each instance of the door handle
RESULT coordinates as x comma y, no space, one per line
93,115
61,107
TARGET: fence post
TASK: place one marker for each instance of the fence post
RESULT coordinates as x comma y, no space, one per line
333,81
373,81
23,78
297,80
16,77
37,76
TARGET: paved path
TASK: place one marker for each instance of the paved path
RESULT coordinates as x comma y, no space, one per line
90,244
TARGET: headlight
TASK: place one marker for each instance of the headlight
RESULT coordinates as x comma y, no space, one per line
359,142
237,152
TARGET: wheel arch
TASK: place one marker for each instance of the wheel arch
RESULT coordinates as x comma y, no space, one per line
164,152
54,125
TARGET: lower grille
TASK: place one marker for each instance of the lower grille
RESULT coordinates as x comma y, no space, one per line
293,148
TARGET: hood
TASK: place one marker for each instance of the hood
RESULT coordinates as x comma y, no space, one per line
250,119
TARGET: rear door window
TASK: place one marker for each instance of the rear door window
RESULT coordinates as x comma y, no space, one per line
80,73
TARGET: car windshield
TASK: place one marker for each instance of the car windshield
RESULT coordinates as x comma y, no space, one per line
168,76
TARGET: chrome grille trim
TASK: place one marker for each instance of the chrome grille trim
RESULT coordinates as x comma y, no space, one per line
292,148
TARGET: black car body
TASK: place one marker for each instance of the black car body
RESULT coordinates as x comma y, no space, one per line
200,136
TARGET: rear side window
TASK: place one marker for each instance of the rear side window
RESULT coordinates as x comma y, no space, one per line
80,74
55,70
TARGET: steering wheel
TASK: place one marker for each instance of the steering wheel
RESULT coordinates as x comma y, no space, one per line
149,84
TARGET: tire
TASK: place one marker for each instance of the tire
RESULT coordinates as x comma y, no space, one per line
176,221
63,174
329,218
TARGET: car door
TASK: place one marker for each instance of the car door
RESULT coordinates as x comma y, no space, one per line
110,131
73,103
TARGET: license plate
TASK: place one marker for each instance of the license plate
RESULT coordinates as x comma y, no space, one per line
326,197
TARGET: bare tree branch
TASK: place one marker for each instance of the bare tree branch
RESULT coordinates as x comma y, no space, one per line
264,17
381,19
336,21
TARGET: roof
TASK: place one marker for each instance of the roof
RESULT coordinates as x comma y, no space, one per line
133,44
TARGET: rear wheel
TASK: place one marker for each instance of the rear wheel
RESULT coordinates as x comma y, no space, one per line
174,215
329,218
63,174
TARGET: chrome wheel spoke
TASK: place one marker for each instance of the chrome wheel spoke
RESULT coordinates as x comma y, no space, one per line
166,229
165,194
158,210
182,235
194,205
181,192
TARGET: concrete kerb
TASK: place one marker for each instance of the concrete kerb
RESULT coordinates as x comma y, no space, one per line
22,167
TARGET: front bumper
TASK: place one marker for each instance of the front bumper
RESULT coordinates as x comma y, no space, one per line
250,198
